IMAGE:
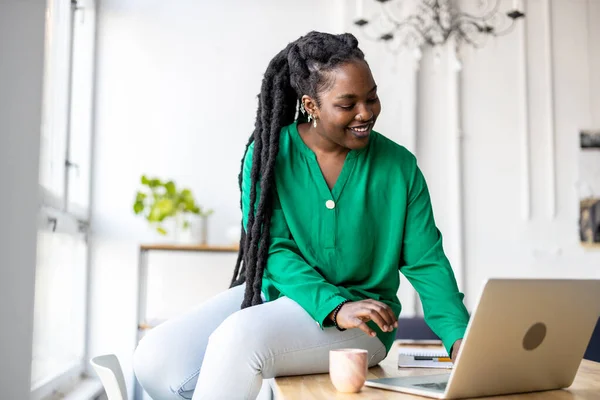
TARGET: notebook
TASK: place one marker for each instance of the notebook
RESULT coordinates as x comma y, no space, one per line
418,357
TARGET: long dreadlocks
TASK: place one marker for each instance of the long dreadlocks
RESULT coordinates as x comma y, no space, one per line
302,68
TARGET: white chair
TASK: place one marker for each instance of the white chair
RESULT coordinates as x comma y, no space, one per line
111,375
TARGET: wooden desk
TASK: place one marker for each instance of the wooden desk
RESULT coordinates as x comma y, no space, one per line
316,387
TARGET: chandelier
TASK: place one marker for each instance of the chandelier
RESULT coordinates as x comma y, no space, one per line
403,24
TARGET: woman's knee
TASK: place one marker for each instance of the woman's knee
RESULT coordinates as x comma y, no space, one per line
229,333
378,356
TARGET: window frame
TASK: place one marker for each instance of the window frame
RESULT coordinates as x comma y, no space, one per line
57,221
57,213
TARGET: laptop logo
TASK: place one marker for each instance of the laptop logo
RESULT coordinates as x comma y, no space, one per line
534,336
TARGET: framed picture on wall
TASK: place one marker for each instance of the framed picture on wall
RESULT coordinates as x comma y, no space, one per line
589,196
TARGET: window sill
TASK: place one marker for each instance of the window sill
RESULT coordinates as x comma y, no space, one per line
87,389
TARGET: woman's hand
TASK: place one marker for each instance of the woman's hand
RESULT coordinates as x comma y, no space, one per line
355,315
455,349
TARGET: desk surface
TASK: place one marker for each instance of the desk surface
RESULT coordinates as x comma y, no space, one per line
316,387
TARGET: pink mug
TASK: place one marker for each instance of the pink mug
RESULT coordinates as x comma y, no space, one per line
348,369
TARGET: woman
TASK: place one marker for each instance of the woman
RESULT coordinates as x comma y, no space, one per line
331,211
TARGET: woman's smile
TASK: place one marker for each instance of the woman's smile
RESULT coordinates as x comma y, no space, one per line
361,131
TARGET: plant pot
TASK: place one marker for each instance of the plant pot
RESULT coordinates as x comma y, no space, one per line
200,230
176,232
195,233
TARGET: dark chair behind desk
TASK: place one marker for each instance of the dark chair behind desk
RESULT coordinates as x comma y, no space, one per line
414,328
593,350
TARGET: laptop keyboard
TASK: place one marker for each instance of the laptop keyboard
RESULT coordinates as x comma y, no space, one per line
437,386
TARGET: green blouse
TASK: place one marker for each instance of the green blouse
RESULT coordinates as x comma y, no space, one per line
349,242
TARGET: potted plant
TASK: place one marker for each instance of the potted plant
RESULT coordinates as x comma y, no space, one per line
161,201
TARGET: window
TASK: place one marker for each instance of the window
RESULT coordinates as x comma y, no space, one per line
60,319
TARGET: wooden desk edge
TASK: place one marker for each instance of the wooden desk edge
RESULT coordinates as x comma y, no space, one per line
190,247
281,388
590,246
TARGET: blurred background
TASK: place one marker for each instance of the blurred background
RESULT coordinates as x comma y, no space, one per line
123,123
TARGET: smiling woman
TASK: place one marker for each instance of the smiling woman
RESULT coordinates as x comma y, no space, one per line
347,111
331,211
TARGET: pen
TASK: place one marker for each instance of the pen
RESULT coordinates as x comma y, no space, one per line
439,359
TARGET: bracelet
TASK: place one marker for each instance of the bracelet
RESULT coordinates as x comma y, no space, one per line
335,313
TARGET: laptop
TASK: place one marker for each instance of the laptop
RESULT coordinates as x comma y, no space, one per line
524,335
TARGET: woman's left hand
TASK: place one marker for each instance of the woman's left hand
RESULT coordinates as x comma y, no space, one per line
455,349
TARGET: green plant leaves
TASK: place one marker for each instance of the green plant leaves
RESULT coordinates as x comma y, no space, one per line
139,196
170,187
151,183
138,207
159,200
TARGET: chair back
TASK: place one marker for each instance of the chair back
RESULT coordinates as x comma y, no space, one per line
111,375
414,328
593,350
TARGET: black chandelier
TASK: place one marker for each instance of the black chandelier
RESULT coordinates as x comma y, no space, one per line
434,22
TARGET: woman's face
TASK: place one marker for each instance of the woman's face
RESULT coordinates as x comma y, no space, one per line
348,108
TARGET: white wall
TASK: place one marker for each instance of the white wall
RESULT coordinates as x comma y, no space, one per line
21,71
176,96
499,241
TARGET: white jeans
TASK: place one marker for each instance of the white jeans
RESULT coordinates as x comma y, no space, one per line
218,351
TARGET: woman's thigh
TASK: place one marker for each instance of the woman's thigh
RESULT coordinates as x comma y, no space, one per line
274,339
299,346
168,358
